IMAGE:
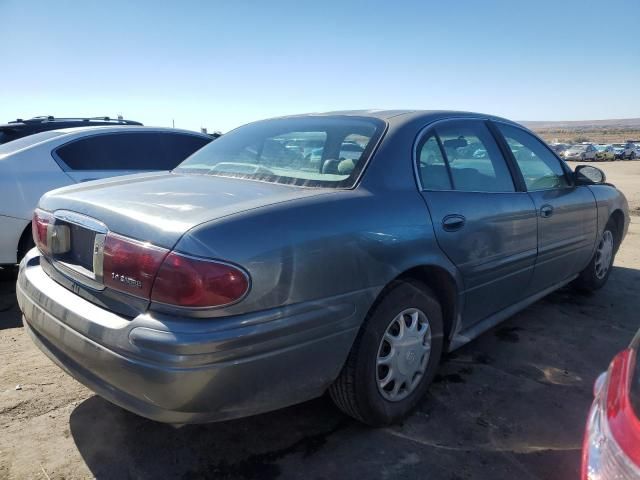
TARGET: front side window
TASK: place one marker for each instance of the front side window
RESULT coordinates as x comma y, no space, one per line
540,168
474,161
322,151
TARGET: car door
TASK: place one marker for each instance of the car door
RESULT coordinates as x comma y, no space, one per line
119,153
482,222
567,214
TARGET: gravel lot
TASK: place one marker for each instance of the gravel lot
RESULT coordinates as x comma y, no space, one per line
511,404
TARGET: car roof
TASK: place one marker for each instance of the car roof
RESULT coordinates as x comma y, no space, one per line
388,114
400,117
123,128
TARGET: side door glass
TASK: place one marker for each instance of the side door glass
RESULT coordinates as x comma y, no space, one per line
111,154
475,161
540,168
177,147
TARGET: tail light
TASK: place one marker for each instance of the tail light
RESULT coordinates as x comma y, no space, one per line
151,272
39,228
129,265
612,440
191,282
47,235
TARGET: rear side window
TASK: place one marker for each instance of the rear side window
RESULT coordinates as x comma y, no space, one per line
130,151
463,155
432,166
540,168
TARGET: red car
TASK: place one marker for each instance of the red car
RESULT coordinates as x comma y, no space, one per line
612,440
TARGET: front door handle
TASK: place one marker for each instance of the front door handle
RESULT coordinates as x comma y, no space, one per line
546,211
453,222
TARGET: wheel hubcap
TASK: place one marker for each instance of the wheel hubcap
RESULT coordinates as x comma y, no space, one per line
403,354
604,254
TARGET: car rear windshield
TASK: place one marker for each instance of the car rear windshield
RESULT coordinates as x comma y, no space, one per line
24,142
313,151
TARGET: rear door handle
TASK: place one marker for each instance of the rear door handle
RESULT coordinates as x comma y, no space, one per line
453,222
546,211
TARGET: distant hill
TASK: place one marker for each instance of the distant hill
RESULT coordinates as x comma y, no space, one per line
599,131
631,123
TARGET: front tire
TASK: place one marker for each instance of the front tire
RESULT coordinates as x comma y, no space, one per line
394,357
596,274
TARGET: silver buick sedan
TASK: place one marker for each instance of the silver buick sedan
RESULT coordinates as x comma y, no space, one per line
344,252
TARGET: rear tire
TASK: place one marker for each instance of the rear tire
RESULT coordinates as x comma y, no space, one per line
596,274
385,353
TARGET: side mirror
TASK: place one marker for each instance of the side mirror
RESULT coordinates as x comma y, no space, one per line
589,175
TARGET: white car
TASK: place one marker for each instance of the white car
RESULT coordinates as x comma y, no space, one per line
33,165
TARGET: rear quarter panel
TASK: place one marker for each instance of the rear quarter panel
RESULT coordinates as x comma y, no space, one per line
350,242
24,177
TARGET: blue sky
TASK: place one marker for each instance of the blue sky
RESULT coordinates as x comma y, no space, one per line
221,64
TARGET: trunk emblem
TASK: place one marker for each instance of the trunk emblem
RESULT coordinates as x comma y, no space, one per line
130,281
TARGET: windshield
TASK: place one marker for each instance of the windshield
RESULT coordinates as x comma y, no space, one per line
601,148
578,148
321,151
20,143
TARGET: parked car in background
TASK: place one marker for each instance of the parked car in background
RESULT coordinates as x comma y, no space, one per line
21,128
32,165
211,293
580,152
611,447
605,153
618,149
631,151
559,147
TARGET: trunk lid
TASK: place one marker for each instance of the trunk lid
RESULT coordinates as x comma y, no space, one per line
161,207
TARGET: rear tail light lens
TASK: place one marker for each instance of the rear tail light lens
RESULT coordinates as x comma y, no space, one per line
39,227
612,440
129,265
196,283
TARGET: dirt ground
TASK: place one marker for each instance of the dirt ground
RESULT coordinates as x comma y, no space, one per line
511,404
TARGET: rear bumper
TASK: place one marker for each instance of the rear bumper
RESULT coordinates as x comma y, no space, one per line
185,370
